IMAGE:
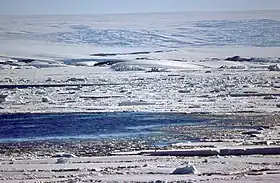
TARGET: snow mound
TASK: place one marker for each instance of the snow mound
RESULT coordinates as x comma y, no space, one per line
189,169
3,98
61,161
47,100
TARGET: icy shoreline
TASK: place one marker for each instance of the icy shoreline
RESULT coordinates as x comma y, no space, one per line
118,160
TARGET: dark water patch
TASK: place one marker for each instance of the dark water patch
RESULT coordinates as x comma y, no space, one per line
97,61
27,61
131,53
105,54
108,62
252,59
28,126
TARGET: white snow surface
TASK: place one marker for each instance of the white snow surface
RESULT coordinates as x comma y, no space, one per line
181,86
156,71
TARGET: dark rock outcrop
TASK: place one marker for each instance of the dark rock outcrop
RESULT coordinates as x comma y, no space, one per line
274,67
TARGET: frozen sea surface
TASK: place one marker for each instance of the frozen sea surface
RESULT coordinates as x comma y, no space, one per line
158,30
256,32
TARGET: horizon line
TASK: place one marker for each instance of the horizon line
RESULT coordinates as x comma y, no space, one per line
135,13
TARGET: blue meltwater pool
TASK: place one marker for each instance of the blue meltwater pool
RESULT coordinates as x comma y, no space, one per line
21,127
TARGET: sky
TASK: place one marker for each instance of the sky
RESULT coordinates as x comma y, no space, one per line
130,6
